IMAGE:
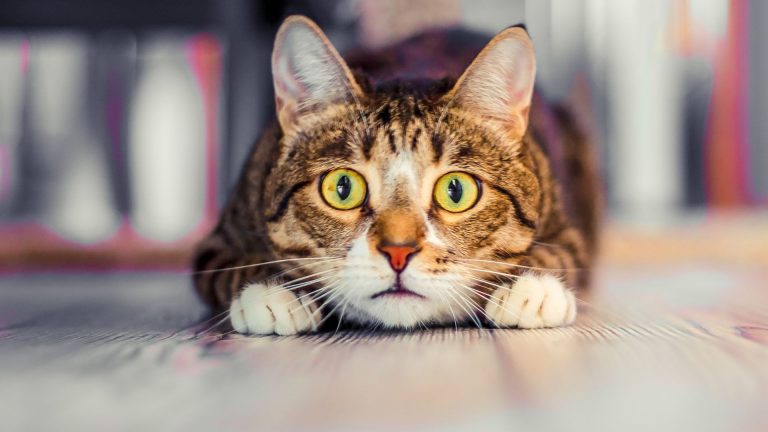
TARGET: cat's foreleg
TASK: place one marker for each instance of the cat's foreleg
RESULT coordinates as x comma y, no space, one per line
226,283
541,291
532,301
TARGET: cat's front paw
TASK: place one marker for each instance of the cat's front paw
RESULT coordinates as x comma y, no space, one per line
263,310
533,301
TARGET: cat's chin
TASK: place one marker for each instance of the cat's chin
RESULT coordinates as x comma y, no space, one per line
395,310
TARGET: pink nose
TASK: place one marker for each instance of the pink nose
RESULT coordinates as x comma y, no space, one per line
398,255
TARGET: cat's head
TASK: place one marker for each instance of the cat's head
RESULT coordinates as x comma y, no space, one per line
406,192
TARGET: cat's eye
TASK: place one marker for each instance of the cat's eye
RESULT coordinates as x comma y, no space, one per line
456,192
343,189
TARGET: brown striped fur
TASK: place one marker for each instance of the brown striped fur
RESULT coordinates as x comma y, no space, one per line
523,217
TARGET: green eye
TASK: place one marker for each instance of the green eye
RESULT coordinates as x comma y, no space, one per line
456,192
343,189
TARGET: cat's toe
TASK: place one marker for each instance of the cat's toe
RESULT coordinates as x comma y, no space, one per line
306,315
533,301
237,318
262,310
257,316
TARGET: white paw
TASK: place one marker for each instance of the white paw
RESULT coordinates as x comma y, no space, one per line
263,310
533,301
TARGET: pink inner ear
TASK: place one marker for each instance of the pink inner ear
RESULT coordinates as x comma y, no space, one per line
519,74
517,95
290,92
287,84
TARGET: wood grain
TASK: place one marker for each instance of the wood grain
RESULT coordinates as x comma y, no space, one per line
662,347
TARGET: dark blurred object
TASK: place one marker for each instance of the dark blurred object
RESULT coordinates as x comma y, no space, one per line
121,14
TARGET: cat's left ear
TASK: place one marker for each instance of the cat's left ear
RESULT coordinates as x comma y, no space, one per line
498,85
307,70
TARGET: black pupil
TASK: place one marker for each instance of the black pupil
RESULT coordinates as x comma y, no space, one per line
454,190
343,187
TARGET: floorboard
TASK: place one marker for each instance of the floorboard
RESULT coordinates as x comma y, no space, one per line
656,347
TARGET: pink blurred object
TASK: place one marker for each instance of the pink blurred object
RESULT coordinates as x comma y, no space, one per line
726,148
386,22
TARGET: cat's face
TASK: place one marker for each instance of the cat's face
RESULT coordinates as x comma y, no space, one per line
406,194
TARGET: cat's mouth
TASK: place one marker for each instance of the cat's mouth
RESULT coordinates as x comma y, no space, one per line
397,290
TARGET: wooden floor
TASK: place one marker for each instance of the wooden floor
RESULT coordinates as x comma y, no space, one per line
659,347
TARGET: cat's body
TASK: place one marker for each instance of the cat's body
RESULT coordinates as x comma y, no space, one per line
399,196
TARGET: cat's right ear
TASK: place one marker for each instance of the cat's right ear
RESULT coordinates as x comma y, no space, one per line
308,72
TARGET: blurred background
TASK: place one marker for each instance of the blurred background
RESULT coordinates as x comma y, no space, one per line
124,124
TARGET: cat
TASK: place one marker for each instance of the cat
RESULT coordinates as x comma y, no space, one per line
395,191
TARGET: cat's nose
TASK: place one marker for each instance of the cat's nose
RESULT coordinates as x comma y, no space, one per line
398,255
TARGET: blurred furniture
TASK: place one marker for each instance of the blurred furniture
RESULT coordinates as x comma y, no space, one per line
126,125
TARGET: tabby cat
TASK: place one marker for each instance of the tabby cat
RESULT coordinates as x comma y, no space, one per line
402,189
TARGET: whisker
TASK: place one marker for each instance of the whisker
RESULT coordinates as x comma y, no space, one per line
451,291
484,295
284,272
329,289
482,270
308,276
331,294
310,312
489,298
293,286
519,265
489,283
220,322
341,318
450,308
339,290
481,309
211,318
472,306
376,327
264,263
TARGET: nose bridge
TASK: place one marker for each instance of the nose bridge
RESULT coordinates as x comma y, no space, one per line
399,234
399,227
